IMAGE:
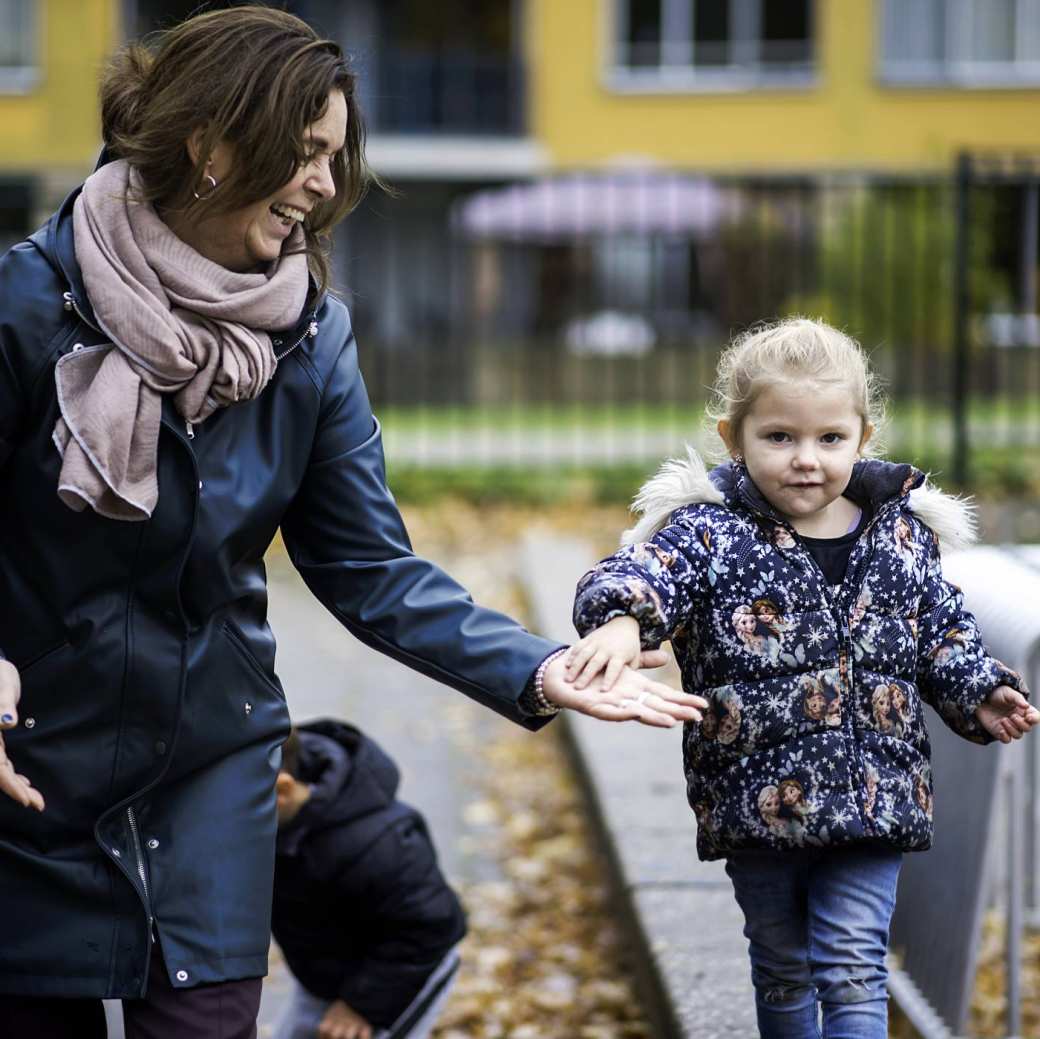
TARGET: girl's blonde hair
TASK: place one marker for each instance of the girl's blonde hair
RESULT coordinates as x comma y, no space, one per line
795,351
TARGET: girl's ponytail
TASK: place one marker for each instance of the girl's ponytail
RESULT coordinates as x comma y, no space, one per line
122,90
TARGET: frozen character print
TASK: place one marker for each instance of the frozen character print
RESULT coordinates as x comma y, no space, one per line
922,795
898,715
760,627
793,806
881,708
870,793
769,809
832,694
656,559
814,701
729,707
953,645
709,728
782,537
903,536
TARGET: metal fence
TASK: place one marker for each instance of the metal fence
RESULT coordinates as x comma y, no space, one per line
580,318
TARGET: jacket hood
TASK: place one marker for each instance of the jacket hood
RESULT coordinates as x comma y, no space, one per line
349,774
686,481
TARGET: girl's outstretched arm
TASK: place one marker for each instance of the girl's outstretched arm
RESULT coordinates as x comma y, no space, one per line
654,582
955,672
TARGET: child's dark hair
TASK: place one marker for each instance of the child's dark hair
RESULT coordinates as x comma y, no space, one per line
291,754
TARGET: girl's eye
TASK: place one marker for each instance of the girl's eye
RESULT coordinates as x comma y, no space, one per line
777,438
832,438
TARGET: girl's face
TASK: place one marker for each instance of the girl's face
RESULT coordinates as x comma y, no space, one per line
789,793
882,701
898,699
815,705
770,803
799,445
766,612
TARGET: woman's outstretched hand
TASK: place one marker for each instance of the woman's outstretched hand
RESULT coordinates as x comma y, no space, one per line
11,783
632,697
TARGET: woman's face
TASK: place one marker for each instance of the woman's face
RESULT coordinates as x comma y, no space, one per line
252,236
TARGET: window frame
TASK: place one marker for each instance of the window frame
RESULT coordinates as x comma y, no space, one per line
682,76
22,79
952,71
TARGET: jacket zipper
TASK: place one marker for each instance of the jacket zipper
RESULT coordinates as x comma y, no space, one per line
141,872
311,332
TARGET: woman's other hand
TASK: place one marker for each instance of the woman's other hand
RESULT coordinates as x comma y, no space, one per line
1006,714
633,697
11,783
609,649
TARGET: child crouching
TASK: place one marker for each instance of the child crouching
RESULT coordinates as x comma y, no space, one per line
366,921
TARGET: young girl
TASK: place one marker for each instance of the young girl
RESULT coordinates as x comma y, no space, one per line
811,811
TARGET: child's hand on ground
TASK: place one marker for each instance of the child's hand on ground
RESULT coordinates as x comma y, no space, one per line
632,697
340,1022
609,649
1006,714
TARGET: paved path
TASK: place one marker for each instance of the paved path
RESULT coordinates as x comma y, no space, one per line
680,912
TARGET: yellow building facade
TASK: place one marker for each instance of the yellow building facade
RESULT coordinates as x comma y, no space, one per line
866,100
48,90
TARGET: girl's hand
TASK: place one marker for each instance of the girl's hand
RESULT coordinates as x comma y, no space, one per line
634,697
11,783
1006,714
610,648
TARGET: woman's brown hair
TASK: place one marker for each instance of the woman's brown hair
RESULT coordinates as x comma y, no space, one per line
252,76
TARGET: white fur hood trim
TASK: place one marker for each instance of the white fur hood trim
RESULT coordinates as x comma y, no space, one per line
685,481
679,481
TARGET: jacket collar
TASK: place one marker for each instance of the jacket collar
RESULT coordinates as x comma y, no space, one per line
873,481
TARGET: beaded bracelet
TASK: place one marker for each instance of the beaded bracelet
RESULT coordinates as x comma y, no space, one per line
542,705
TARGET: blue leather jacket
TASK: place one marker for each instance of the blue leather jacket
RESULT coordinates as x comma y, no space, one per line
151,715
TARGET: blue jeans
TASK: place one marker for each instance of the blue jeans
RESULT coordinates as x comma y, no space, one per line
817,928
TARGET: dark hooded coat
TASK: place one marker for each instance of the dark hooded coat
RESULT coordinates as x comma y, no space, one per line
151,717
361,910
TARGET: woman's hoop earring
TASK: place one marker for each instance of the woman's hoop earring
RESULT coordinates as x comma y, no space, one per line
213,187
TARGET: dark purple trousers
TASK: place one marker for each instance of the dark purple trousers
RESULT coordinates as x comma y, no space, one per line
222,1011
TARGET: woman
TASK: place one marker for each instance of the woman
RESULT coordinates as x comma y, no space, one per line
175,386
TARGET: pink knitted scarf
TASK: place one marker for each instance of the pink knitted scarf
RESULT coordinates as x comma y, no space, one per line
178,323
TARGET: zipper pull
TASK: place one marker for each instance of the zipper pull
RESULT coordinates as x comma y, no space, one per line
190,430
68,300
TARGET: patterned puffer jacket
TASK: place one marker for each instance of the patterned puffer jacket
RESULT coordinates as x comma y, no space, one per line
815,734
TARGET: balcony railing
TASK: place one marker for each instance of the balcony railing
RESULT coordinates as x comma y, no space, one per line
455,92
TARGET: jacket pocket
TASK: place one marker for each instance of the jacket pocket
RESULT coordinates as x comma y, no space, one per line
238,640
40,657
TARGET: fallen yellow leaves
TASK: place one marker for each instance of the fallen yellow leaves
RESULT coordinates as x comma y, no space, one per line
544,958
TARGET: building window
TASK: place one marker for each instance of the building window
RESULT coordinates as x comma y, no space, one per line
695,44
18,51
965,42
